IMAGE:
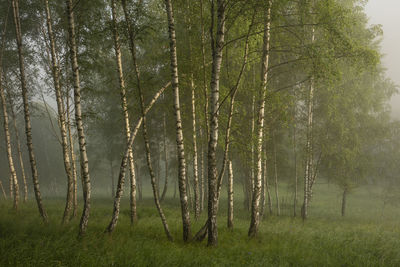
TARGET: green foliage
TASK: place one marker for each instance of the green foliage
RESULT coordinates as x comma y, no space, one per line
365,238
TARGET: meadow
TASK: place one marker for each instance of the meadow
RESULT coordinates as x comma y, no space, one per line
366,236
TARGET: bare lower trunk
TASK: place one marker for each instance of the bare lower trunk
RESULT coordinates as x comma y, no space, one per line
344,198
3,191
124,106
78,120
309,147
112,179
278,209
255,207
8,138
179,134
28,127
20,159
201,176
295,162
73,158
124,163
61,117
230,195
165,159
217,49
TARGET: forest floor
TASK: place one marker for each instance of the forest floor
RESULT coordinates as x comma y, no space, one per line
367,236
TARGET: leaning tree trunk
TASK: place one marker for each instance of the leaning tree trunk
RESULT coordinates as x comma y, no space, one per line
217,49
124,162
124,105
179,133
8,137
230,195
61,117
78,120
255,207
28,127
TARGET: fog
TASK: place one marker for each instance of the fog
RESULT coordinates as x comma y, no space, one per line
386,13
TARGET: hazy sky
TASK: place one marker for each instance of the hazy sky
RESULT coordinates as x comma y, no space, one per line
387,13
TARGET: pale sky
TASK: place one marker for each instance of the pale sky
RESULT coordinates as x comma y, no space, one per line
387,13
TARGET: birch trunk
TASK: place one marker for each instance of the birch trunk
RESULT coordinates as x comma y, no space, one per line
179,134
344,198
124,106
124,163
251,180
165,158
61,117
73,159
278,208
78,120
255,207
309,145
201,174
19,150
295,159
3,191
230,195
8,139
217,49
28,127
205,89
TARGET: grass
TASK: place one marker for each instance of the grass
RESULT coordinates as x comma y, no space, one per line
366,237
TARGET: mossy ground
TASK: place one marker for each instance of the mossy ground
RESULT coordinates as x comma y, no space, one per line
367,236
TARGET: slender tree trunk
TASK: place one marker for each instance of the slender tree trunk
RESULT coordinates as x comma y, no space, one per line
251,180
309,146
230,195
8,138
165,158
28,127
295,160
278,209
61,117
255,207
217,49
20,158
344,200
3,191
73,159
124,163
179,134
112,179
125,112
78,120
194,133
203,54
201,174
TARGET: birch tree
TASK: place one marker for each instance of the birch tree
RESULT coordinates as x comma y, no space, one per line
84,161
28,127
255,207
182,179
61,117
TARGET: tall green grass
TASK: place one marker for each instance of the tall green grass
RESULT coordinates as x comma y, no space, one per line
365,237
